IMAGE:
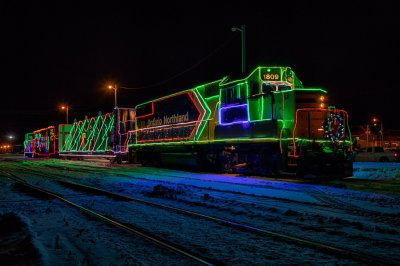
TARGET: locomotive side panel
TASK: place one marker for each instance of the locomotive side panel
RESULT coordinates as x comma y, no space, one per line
178,117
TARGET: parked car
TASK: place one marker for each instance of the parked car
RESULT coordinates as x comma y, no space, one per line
376,154
396,154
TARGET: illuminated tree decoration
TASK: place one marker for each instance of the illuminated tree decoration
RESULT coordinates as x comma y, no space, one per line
334,127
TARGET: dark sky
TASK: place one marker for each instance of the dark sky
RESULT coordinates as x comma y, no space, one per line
61,55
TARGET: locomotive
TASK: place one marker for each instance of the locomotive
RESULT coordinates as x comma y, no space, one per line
262,123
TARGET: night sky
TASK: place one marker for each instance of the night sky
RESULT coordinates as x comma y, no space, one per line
66,57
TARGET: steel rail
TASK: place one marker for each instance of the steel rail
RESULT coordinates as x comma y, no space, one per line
175,248
354,255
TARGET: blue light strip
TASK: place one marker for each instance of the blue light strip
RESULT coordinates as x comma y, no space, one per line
233,106
234,122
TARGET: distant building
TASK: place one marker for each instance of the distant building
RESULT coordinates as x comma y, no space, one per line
365,137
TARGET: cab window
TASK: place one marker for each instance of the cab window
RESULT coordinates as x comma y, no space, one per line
284,87
268,87
254,88
231,96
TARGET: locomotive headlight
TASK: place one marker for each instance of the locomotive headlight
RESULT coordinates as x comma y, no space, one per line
322,99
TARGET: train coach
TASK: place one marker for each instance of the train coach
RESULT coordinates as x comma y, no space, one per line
41,143
264,123
103,136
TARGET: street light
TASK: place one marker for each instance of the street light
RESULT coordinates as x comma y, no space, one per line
65,107
114,87
242,30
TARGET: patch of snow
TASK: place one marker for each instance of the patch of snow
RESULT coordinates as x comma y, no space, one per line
376,170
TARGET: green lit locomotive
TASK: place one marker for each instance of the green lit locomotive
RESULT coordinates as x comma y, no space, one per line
260,124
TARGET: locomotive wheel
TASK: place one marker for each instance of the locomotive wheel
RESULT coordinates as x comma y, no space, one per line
131,156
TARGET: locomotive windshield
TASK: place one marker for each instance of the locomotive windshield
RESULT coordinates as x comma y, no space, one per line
268,87
284,87
231,96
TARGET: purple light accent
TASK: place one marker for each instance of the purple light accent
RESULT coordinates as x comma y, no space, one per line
239,121
233,106
236,122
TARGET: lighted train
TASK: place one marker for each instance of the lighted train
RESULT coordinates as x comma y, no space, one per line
263,123
42,142
103,136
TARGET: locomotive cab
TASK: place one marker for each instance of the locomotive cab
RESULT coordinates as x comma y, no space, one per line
291,122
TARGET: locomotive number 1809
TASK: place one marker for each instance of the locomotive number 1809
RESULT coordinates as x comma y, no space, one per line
271,76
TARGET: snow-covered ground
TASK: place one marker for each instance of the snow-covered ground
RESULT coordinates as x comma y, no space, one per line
377,171
363,221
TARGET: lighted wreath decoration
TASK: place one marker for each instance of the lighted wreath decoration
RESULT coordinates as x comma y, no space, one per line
334,127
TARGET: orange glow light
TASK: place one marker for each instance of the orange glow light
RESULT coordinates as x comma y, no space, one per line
322,98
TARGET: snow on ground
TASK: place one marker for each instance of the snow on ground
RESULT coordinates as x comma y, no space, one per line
362,221
377,171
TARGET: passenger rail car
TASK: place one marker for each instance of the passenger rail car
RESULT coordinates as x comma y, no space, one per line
41,143
29,144
103,136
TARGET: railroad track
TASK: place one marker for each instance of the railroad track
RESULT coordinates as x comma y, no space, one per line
391,219
326,248
324,199
131,228
263,201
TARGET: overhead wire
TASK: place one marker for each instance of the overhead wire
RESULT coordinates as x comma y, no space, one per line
186,70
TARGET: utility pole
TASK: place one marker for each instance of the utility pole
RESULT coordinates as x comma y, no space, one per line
381,133
243,48
114,87
67,114
66,109
242,30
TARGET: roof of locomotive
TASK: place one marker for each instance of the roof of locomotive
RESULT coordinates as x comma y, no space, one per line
229,80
